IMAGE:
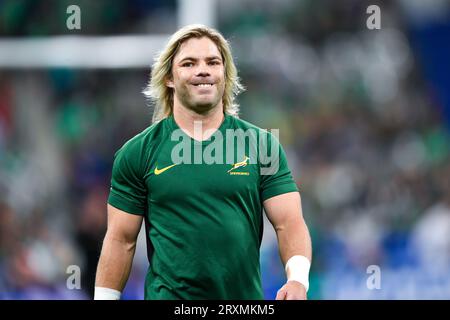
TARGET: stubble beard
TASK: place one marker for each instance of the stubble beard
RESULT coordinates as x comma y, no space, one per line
188,101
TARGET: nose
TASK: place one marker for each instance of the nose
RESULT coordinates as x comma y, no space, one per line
203,70
202,74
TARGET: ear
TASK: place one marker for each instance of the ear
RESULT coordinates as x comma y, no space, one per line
169,83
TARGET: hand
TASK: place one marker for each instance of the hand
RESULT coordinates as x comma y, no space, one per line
292,290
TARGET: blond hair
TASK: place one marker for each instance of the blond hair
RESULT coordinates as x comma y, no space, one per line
162,96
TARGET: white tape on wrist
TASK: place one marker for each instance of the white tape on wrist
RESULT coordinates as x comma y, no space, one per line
297,269
101,293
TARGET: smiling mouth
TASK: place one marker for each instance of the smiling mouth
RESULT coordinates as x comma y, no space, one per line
204,85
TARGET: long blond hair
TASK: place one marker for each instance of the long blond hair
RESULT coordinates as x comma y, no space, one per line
161,95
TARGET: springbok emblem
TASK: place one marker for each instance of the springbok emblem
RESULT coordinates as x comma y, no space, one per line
239,164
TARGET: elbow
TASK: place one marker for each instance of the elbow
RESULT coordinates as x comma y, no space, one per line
125,242
296,223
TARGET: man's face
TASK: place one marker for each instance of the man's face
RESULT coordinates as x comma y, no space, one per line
198,75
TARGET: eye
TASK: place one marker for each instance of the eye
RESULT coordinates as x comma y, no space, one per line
214,63
187,64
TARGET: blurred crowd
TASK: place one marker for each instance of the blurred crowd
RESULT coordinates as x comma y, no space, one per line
364,131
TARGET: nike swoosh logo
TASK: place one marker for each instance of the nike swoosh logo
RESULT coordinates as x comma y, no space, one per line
159,171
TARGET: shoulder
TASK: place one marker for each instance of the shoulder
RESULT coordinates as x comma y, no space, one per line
135,154
144,140
263,135
239,123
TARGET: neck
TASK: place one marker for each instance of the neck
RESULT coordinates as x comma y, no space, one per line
210,121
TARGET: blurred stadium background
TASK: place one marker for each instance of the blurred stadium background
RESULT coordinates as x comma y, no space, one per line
363,114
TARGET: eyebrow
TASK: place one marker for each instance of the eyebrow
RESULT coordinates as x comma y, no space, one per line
195,59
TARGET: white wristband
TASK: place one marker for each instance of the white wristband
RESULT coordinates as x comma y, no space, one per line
101,293
297,269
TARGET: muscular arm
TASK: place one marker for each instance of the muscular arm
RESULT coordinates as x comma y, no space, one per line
285,214
118,249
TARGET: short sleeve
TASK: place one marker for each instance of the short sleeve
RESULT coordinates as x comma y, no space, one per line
128,191
276,177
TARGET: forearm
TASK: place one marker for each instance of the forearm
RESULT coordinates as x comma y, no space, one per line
294,243
295,252
115,263
294,239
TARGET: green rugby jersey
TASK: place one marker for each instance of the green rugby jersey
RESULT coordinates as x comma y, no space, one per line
203,221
